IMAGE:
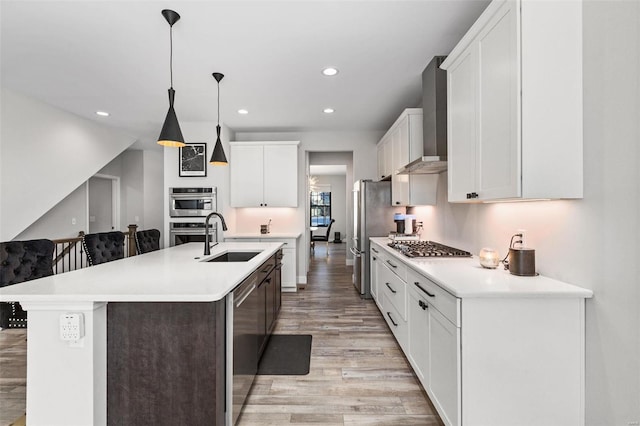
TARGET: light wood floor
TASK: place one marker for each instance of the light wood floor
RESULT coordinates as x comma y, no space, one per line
13,375
358,374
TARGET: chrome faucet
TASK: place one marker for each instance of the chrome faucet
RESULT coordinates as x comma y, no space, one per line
207,249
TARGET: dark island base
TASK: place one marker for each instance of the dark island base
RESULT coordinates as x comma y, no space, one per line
166,363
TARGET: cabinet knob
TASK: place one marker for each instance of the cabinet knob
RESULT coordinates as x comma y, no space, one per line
423,305
471,195
397,202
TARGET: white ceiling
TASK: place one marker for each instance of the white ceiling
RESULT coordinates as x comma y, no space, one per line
84,56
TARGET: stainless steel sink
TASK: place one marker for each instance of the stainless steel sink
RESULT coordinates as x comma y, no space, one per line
235,256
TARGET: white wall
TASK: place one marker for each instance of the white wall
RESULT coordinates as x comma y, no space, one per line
153,192
363,146
58,222
45,154
593,242
217,176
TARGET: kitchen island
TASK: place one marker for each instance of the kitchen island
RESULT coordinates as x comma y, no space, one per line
154,344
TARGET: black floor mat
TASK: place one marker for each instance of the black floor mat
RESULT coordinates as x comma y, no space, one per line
286,354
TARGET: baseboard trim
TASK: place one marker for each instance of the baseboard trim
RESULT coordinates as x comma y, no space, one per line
302,279
289,289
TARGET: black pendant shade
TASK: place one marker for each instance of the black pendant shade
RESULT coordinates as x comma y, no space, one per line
218,158
171,135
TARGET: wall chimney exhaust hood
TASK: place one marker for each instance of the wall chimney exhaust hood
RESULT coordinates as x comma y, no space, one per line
434,122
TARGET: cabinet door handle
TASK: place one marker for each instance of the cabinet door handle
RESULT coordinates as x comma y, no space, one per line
390,288
391,318
374,258
471,195
391,264
374,250
422,305
420,287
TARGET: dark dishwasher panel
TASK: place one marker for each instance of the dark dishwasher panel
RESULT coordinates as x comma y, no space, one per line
245,346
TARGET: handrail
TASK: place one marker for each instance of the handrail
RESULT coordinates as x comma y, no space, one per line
71,244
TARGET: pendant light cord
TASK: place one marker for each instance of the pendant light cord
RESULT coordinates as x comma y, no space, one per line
218,103
171,54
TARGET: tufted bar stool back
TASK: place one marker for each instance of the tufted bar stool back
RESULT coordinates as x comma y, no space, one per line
103,247
22,261
147,240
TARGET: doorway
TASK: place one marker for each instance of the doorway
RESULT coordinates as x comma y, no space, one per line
103,193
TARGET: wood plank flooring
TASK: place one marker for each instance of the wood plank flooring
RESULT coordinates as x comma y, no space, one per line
358,375
13,375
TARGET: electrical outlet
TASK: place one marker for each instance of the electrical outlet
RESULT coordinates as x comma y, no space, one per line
71,327
523,238
73,221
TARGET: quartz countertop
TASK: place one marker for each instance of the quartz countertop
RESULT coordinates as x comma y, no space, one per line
176,274
248,235
464,277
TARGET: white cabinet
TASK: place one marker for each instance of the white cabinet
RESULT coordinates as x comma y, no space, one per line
385,166
263,174
487,360
515,129
289,258
374,263
444,367
400,145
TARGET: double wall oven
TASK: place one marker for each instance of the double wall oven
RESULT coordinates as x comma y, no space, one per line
192,204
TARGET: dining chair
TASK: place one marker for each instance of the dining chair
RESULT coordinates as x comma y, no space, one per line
103,247
147,241
324,237
22,261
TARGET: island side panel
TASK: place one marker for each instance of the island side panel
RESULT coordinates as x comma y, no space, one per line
166,363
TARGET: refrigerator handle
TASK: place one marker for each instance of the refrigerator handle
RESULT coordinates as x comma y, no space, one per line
355,252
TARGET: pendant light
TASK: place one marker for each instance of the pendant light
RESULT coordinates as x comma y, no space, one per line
218,158
171,135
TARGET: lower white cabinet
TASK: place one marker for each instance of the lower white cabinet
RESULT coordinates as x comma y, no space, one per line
444,367
507,360
374,262
289,259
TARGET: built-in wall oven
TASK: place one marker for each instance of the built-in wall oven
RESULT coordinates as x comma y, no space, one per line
190,232
192,202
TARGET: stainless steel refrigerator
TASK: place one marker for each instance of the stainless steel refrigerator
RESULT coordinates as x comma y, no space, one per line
372,217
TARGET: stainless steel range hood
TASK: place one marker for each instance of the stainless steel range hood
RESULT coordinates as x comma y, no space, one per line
434,124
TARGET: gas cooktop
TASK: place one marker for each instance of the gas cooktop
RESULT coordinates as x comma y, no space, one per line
427,249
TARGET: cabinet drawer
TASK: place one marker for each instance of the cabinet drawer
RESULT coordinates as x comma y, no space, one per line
397,267
396,323
442,300
394,288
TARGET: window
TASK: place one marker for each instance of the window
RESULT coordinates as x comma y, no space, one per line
320,203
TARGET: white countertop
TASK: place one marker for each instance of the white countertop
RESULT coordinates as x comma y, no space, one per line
231,234
464,277
176,274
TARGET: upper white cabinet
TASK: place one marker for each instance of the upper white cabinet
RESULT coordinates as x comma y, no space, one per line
399,146
514,92
264,174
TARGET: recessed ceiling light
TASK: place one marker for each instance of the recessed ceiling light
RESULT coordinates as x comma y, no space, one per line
329,71
328,110
102,113
243,111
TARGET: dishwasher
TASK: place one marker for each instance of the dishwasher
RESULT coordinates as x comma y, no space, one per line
242,352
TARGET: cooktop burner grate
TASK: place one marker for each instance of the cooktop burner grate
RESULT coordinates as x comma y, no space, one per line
427,249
